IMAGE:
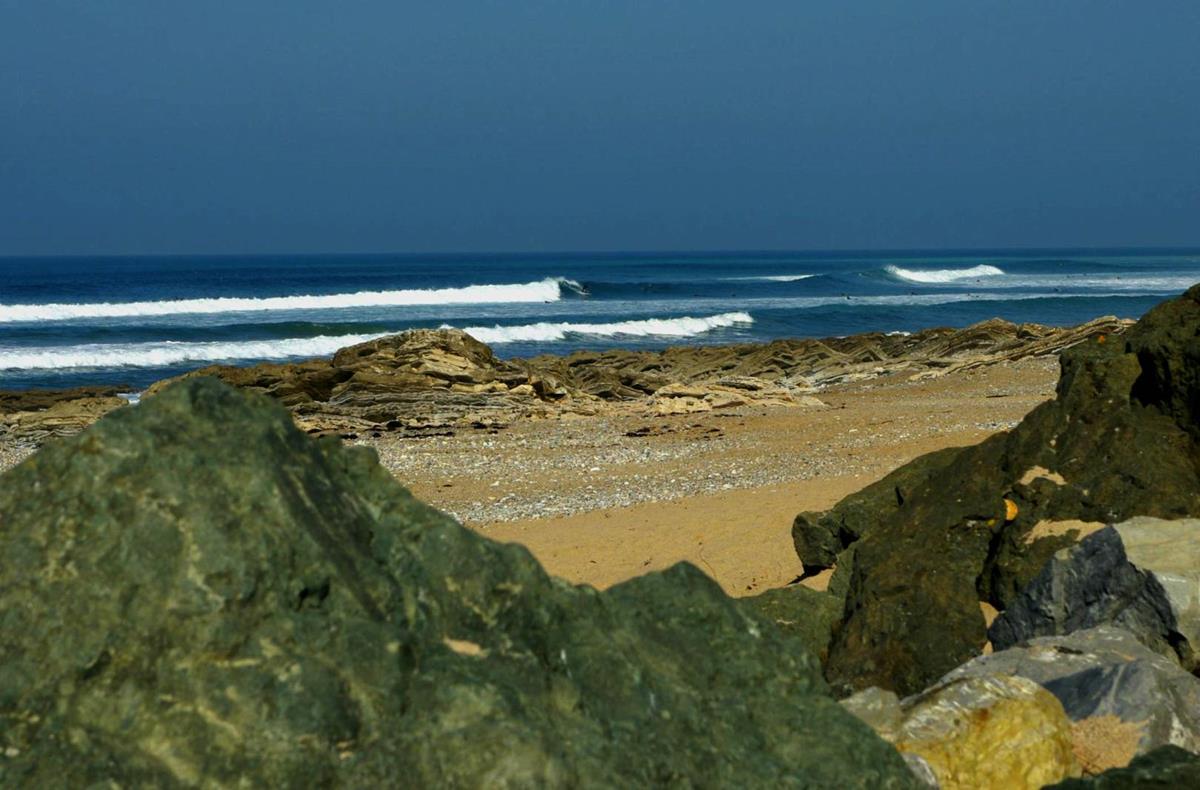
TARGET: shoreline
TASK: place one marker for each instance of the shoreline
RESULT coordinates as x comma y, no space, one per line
608,465
736,527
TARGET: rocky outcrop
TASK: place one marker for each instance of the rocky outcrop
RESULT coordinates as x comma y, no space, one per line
980,731
436,381
421,382
31,417
958,527
193,592
1124,699
805,365
1090,584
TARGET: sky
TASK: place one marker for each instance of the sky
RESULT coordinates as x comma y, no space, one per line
159,126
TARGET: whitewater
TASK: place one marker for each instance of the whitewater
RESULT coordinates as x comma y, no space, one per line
132,321
99,356
547,290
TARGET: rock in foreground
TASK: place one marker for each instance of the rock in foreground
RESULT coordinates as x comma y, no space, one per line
194,592
978,731
1125,700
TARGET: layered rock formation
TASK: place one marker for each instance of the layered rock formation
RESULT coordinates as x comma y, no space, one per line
807,364
193,592
921,548
33,416
424,382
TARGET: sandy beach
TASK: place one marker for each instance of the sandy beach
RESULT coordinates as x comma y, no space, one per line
597,505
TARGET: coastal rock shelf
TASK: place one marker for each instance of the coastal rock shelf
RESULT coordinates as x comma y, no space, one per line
435,382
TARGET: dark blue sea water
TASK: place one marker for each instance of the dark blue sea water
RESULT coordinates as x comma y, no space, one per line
70,321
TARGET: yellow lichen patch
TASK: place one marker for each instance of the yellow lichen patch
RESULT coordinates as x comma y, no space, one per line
465,647
1036,472
1010,510
1051,529
1103,742
990,732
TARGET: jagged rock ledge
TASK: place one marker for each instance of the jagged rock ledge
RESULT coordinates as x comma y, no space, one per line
431,382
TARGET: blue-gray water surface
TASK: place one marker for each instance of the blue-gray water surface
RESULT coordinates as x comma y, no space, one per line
131,321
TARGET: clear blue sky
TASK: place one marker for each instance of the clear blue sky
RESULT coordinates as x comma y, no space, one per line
140,126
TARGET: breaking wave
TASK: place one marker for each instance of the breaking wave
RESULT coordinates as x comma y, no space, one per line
168,353
165,354
775,278
943,275
547,290
650,327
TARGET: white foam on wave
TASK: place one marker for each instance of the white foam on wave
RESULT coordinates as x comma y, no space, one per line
168,353
164,354
547,290
775,278
944,275
686,326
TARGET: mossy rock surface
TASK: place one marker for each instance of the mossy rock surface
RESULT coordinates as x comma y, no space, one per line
809,615
194,593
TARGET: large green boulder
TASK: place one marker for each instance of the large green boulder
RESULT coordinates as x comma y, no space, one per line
957,527
195,593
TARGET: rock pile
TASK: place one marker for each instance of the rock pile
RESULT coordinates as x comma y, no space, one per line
1071,531
193,592
926,544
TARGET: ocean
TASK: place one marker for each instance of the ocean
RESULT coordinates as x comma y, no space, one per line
131,321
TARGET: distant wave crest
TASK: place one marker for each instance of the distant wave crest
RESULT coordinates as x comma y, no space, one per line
775,278
165,354
547,290
944,275
650,327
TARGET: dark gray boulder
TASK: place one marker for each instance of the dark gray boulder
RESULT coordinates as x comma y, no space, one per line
1089,584
193,592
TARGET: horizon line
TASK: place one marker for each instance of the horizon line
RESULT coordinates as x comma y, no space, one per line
616,251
